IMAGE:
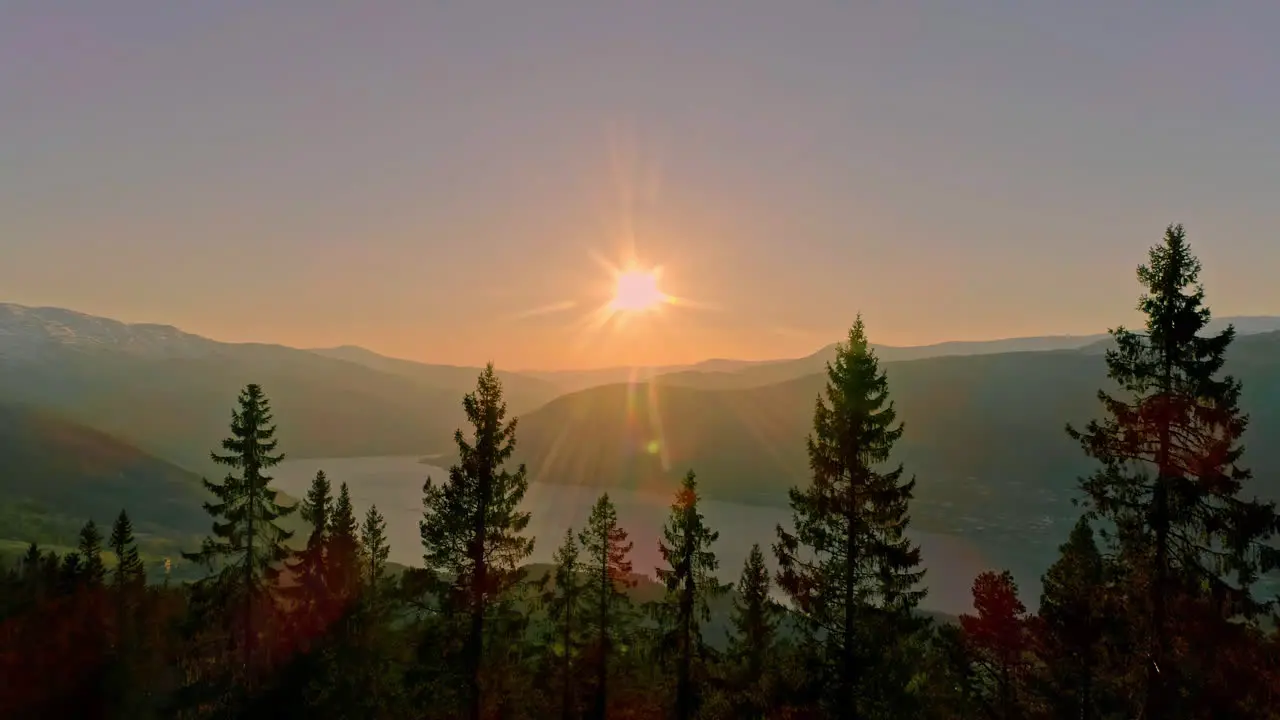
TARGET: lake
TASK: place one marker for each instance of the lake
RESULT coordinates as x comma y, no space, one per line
394,484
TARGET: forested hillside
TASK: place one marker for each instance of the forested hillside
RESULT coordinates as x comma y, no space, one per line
1152,607
55,474
985,431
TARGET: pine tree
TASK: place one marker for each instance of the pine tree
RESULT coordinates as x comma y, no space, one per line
471,526
341,674
129,573
128,581
92,570
755,624
85,575
562,596
373,543
373,662
690,581
70,573
998,639
312,605
247,546
1072,626
608,576
34,585
1170,481
848,565
345,564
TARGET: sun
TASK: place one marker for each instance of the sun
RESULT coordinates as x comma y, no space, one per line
637,291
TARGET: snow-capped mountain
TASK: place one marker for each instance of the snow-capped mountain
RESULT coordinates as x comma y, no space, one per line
29,333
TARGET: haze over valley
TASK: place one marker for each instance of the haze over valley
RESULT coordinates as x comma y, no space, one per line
984,434
607,360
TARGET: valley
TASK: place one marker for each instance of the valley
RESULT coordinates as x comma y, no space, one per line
394,484
984,435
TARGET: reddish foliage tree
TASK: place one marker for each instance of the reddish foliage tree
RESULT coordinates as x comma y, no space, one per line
998,640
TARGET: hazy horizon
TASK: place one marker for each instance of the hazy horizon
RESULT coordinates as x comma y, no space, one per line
437,182
763,356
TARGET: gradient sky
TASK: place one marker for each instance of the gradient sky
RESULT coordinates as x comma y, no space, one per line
413,176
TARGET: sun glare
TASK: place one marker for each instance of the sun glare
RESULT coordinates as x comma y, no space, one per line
636,291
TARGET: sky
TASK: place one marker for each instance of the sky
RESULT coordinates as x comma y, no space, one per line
441,180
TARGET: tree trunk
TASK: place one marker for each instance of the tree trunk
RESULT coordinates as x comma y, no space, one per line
1154,707
684,699
567,699
848,661
602,677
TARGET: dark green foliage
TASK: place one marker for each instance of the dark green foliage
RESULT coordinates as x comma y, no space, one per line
847,565
471,525
311,604
1170,489
752,643
608,576
690,581
55,474
1074,623
343,550
92,571
130,653
561,595
129,573
373,542
246,549
471,634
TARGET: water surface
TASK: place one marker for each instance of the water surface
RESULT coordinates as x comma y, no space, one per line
395,485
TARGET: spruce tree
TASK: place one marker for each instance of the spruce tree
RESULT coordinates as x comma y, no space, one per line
1170,486
371,664
34,585
608,577
129,573
1072,626
848,565
690,581
471,525
247,546
312,606
85,575
375,550
128,581
70,573
998,640
92,570
345,564
343,671
754,622
562,597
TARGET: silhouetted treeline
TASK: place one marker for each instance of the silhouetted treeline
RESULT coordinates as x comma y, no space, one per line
1149,611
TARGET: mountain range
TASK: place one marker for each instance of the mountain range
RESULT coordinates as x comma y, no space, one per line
984,420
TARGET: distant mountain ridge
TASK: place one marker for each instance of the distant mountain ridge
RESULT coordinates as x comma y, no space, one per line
984,419
522,392
770,372
26,333
170,392
633,430
984,436
30,333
